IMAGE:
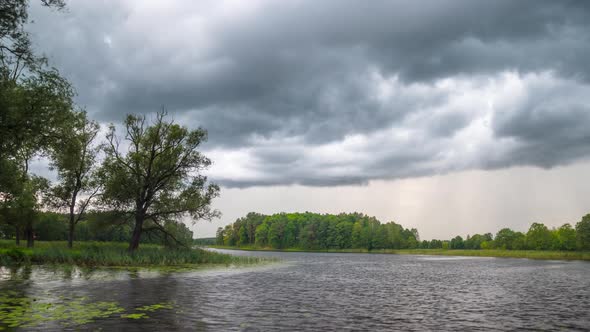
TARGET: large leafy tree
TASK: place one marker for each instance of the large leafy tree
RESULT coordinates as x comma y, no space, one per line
566,237
509,239
457,243
155,176
538,237
35,103
17,57
29,94
33,122
75,162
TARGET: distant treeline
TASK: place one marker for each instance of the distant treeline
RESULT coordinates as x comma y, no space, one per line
205,241
314,231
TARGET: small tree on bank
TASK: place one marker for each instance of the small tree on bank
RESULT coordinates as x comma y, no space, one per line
75,163
155,176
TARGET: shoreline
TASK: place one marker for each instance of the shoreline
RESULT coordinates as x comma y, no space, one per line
497,253
115,254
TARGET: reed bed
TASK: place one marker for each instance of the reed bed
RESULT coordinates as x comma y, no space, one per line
114,254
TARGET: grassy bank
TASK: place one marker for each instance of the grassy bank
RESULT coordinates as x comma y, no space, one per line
531,254
112,254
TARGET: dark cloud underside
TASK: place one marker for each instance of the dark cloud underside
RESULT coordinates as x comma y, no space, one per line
340,92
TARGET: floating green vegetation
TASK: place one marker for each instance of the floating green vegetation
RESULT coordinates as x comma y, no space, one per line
155,307
21,311
135,316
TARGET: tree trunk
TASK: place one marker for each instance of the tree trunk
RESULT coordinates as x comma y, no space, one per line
17,232
29,235
136,236
71,235
71,230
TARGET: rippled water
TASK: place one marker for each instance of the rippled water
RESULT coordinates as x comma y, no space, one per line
315,291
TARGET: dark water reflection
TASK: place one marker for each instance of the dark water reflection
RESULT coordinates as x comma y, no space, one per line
314,291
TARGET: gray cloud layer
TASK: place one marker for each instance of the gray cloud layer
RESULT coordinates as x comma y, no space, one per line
340,92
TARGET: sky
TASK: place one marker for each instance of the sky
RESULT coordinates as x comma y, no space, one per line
453,117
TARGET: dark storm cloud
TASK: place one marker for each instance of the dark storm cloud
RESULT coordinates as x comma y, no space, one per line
551,125
282,83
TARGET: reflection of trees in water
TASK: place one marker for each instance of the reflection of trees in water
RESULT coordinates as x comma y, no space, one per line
18,273
137,292
131,292
18,296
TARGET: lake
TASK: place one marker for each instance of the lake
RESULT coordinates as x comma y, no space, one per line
311,291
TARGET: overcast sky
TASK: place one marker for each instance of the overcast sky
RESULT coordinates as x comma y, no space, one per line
454,117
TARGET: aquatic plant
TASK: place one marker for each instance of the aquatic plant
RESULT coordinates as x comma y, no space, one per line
114,254
20,311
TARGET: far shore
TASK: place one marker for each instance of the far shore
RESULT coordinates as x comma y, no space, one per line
501,253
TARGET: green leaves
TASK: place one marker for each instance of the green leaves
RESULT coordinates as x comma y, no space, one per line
35,103
583,233
315,231
153,172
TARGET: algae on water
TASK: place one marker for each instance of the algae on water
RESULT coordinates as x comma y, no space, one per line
17,310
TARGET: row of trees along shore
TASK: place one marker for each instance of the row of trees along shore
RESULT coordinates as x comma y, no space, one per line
312,231
146,179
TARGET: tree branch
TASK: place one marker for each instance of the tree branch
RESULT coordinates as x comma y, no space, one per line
169,234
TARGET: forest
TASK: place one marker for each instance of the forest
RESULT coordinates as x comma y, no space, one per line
312,231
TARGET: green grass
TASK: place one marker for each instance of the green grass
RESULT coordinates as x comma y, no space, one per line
255,248
113,254
530,254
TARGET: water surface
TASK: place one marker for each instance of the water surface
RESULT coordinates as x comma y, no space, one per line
316,291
